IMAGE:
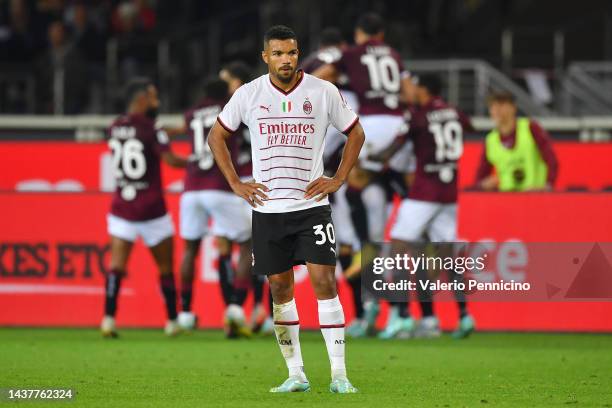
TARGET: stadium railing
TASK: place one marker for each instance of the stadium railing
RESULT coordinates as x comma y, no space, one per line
586,88
467,83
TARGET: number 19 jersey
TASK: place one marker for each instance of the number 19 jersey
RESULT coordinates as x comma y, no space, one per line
136,150
436,130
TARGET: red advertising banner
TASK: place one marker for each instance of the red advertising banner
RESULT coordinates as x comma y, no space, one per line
86,166
53,251
53,246
538,217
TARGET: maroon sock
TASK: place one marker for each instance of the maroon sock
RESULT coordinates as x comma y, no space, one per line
168,290
111,288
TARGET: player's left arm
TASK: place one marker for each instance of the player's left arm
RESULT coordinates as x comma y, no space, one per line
342,117
323,186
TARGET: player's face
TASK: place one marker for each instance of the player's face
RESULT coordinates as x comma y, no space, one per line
360,36
152,99
421,95
363,37
282,59
502,112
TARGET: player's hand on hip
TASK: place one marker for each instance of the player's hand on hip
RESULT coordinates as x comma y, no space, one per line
253,193
322,186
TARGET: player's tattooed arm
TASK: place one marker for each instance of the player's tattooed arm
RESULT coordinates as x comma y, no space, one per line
323,186
328,72
253,193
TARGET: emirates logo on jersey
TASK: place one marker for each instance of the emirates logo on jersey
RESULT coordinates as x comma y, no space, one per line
307,106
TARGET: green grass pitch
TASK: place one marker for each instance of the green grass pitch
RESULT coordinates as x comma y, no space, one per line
202,369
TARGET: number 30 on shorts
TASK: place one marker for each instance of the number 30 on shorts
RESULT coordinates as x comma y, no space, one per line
325,233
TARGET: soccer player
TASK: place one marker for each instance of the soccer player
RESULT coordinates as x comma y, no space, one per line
138,207
288,112
376,74
436,130
206,196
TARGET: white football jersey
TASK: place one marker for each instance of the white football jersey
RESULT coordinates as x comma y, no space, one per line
287,135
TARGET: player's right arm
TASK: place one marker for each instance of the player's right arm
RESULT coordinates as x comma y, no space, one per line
173,160
486,179
176,131
162,145
253,193
407,89
228,121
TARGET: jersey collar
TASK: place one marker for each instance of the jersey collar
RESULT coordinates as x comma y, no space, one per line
293,88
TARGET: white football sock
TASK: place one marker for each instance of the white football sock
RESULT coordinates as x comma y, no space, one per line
331,320
287,330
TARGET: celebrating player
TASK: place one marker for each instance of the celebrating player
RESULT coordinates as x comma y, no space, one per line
436,130
138,207
288,112
376,74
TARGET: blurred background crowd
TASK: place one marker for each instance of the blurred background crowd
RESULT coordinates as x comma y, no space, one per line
72,56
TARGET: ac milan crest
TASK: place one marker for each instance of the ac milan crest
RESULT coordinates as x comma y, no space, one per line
307,107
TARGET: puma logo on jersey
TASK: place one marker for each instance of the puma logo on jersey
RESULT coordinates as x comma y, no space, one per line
266,108
283,342
339,341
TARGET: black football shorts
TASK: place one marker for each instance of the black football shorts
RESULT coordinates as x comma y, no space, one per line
283,240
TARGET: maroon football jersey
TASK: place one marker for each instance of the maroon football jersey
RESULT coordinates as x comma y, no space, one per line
203,173
437,133
318,58
136,151
328,55
374,71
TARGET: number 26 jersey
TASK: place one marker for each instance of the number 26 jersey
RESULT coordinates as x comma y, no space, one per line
136,148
